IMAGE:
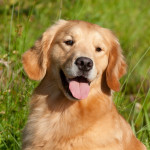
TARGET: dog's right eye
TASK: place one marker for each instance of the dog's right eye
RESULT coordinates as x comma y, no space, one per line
69,42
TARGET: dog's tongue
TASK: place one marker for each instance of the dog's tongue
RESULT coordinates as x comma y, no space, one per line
79,90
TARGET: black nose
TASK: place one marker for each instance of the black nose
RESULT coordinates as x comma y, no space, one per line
84,63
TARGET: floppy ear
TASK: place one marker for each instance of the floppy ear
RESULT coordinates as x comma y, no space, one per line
35,59
116,66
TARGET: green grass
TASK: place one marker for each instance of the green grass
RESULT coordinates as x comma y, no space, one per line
22,22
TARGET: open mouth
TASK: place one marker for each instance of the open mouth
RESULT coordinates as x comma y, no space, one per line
77,88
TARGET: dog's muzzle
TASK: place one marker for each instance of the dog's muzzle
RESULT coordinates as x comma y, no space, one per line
78,87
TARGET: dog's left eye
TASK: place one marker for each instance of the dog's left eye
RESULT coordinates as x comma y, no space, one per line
98,49
69,42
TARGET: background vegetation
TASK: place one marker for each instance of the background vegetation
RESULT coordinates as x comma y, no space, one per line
23,21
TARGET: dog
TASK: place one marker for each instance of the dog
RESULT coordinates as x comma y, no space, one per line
79,65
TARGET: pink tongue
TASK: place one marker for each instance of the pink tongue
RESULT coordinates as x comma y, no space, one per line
79,90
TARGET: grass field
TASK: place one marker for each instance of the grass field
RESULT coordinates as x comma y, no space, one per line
23,21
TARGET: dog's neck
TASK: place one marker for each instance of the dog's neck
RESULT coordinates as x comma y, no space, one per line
86,112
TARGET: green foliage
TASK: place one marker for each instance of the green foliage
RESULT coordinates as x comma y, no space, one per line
22,22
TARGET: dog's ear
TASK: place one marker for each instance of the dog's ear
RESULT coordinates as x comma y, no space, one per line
35,59
116,65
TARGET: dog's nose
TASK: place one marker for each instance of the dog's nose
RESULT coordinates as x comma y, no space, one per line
84,63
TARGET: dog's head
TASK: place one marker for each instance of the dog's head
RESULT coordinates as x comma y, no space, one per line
76,54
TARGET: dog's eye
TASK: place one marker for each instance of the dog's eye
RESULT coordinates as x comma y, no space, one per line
98,49
69,42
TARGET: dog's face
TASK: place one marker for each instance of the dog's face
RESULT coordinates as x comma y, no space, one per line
79,54
76,53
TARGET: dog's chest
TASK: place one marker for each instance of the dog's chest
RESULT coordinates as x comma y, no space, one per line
59,133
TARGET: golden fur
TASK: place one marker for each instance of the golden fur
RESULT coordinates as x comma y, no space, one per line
55,121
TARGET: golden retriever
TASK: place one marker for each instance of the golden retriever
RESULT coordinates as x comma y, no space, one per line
80,65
